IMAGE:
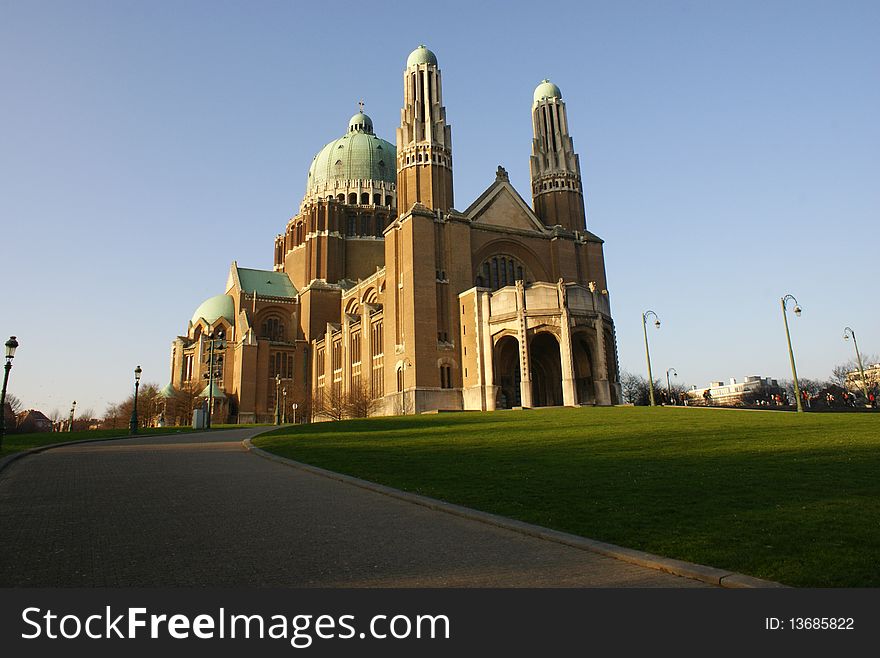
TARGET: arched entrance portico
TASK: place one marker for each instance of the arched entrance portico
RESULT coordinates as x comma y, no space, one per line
507,373
546,366
582,356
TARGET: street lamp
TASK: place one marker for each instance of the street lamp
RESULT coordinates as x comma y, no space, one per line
284,406
11,344
647,352
847,332
70,419
215,341
668,387
797,312
133,424
278,399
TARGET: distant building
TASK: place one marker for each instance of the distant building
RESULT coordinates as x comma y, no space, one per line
33,421
752,390
872,378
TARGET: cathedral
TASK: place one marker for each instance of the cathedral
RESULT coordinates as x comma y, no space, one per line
385,299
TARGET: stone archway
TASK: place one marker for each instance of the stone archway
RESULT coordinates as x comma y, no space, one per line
546,366
582,356
507,373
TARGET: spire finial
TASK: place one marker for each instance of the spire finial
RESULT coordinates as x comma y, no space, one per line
361,105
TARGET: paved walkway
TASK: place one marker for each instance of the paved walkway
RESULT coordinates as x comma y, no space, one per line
199,510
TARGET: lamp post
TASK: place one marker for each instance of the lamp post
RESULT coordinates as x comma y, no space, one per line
847,332
797,312
11,344
284,406
293,408
278,399
72,414
215,341
648,353
668,387
133,423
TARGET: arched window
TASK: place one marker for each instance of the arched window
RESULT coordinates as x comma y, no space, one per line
445,376
377,199
353,198
501,270
388,200
365,198
272,328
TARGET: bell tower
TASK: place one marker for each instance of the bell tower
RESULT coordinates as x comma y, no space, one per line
424,139
557,193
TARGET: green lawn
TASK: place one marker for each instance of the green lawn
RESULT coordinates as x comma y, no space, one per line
789,497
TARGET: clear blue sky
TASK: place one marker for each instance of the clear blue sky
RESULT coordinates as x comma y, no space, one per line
730,154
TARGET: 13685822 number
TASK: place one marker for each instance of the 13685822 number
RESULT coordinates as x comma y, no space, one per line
822,623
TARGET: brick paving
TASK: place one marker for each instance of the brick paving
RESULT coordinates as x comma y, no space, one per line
199,510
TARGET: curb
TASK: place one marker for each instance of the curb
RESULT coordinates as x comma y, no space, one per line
703,573
8,459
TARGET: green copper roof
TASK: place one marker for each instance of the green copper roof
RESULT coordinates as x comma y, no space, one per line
360,122
357,155
218,306
218,392
265,282
421,55
547,90
167,391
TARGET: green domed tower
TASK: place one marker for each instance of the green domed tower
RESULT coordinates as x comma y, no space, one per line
351,196
557,191
358,168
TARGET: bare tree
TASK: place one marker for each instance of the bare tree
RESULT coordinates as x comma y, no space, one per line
360,402
14,403
636,390
839,372
331,403
84,420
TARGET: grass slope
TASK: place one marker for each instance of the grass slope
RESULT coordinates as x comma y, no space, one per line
788,497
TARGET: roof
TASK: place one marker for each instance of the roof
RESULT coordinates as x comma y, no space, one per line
218,306
167,391
357,155
421,55
266,283
218,392
547,90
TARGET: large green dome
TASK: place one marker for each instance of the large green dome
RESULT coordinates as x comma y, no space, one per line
218,306
421,55
357,155
547,90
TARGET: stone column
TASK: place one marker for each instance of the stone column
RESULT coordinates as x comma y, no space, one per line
487,348
525,372
569,391
603,393
346,354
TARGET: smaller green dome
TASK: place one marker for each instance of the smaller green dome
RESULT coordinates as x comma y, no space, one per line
421,55
218,306
218,392
547,90
167,392
360,122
